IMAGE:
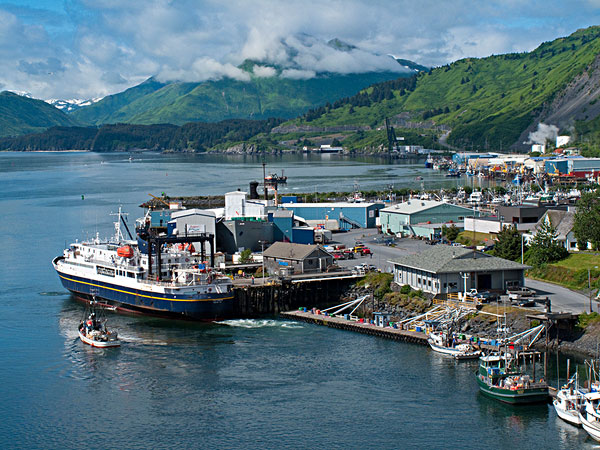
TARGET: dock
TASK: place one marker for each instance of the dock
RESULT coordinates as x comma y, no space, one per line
359,327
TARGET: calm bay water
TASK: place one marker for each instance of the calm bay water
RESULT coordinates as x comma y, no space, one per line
240,384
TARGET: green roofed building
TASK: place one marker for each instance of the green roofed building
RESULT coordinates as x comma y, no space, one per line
403,218
445,269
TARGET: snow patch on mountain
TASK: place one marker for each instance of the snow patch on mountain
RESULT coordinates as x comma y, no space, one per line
72,104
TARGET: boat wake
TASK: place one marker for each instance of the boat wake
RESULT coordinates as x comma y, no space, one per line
260,323
55,294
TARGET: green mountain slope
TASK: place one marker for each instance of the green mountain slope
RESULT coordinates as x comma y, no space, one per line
212,101
491,103
20,115
107,109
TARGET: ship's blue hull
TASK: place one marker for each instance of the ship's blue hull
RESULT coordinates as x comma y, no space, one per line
208,307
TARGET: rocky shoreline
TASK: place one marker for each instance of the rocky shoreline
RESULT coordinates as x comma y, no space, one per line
579,343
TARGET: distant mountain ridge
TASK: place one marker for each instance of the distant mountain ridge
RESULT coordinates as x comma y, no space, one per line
490,103
262,97
20,115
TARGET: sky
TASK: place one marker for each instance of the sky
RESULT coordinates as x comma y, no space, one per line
82,49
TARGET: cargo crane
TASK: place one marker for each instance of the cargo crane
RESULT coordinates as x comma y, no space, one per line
391,136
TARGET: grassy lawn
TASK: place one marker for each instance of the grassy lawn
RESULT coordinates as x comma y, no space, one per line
577,261
474,238
571,272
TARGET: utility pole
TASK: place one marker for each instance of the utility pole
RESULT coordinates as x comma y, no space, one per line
262,249
590,286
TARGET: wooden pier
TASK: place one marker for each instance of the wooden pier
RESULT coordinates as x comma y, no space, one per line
267,296
351,325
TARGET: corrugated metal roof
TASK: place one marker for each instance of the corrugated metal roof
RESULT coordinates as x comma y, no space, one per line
449,259
329,205
288,250
415,206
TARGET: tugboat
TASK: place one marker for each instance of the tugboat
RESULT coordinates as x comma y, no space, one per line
274,179
497,379
156,275
93,331
429,162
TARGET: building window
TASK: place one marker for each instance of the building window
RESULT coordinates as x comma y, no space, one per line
418,281
429,283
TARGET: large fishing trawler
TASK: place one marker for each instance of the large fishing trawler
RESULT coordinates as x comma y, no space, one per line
124,274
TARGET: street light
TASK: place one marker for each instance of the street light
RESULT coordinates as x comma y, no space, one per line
522,245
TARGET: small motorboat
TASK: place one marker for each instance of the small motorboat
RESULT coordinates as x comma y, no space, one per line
93,331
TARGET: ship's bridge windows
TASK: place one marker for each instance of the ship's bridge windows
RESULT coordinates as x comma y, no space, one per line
130,274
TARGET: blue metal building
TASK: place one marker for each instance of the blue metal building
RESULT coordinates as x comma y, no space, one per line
348,215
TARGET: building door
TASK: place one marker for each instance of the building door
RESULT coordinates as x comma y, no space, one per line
484,281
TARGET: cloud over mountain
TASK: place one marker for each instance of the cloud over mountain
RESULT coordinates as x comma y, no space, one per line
89,48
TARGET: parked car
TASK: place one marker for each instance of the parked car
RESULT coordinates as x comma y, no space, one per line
348,253
338,255
365,251
527,302
486,296
518,293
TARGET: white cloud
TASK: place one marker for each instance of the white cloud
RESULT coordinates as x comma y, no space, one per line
296,74
204,69
264,71
101,46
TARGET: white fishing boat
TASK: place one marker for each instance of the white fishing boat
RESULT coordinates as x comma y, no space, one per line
441,343
476,198
568,401
93,331
590,416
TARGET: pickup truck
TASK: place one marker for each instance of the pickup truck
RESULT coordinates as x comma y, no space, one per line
516,294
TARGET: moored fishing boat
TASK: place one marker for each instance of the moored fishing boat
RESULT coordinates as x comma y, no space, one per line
589,415
124,274
498,380
439,342
568,401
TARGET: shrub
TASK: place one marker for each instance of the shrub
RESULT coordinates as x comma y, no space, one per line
406,289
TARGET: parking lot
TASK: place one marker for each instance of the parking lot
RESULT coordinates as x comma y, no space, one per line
381,252
562,299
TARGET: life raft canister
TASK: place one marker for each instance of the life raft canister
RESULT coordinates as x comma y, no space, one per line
125,251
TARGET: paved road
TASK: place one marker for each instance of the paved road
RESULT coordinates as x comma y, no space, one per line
562,299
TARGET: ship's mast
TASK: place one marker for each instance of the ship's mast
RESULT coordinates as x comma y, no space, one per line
118,233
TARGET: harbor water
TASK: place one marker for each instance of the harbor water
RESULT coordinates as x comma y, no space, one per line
262,383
